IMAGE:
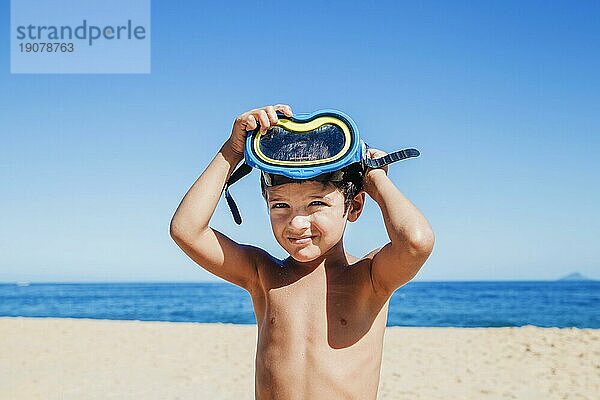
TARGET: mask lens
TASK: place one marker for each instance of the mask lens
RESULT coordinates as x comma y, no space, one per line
322,143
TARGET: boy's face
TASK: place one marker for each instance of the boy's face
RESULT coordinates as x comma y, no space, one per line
308,218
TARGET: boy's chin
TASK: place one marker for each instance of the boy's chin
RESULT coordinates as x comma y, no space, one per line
304,256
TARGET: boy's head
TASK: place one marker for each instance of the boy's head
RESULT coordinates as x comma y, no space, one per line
308,217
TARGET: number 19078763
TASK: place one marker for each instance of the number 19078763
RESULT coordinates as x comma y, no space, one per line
47,47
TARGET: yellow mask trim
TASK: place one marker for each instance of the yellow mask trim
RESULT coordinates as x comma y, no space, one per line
305,127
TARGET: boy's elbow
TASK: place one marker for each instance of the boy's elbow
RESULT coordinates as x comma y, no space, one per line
422,241
175,231
181,232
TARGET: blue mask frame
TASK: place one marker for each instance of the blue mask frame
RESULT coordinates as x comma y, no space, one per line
353,149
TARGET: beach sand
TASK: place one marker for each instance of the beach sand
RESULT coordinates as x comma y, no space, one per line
50,358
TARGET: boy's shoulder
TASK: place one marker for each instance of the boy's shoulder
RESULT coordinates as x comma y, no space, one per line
262,259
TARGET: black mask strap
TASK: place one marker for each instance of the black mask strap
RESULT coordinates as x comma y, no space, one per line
391,158
238,174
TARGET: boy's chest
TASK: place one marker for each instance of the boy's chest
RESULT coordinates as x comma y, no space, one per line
317,308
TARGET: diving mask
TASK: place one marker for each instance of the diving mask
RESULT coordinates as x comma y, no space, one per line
323,145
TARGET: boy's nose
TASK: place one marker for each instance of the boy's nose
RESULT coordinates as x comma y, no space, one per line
300,222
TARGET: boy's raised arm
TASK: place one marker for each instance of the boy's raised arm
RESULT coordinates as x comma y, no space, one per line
190,228
411,236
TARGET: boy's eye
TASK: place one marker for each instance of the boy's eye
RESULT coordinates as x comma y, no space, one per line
317,203
279,205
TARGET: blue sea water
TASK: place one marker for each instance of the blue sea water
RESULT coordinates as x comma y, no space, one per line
456,304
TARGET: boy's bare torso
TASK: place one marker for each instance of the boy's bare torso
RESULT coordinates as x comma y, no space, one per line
320,321
320,331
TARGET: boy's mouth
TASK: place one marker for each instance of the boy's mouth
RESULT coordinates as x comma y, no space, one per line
301,239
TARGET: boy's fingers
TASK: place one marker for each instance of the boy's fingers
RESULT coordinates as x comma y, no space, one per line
266,117
250,122
263,120
285,109
272,114
376,153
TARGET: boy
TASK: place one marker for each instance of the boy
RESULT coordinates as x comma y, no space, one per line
321,313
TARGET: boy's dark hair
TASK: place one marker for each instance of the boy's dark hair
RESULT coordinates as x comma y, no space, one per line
350,186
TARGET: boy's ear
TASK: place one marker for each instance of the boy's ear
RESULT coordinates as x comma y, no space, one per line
356,206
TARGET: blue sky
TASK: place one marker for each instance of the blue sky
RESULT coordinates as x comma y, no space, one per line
502,99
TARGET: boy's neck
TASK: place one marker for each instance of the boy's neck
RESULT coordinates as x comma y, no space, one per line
334,259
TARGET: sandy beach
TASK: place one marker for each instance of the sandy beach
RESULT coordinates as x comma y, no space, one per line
99,359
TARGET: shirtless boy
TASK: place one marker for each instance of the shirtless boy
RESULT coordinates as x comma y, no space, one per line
321,312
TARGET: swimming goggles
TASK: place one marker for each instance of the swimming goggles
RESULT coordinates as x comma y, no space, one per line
324,145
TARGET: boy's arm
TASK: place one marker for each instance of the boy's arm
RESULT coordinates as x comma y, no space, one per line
411,236
190,228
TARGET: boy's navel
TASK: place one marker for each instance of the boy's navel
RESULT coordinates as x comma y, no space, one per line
343,321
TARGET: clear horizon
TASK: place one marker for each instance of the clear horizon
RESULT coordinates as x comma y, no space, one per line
217,280
501,99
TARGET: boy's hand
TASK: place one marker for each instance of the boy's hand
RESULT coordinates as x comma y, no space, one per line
248,121
373,173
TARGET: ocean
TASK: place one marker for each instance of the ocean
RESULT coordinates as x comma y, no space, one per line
448,304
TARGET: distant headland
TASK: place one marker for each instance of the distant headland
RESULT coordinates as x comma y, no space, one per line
575,276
